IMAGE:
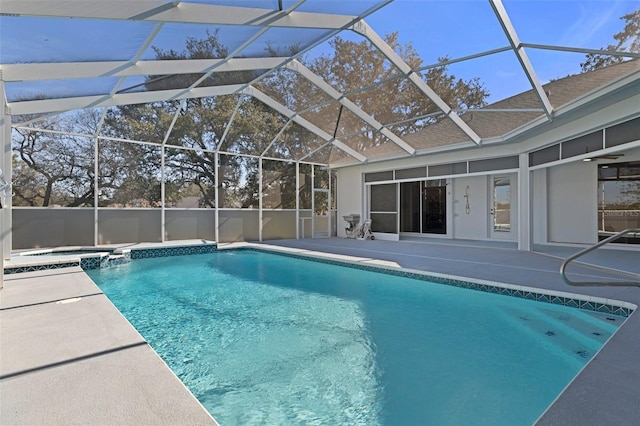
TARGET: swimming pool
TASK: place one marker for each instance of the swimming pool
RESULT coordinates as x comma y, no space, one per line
265,339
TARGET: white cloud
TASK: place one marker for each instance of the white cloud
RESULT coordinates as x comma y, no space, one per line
594,16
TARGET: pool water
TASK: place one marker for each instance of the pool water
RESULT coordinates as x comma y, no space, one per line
266,339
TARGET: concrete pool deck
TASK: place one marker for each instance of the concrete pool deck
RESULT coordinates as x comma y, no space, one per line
70,361
68,357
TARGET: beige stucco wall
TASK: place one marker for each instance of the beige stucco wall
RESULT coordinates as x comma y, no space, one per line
51,227
572,202
129,226
190,224
278,225
238,225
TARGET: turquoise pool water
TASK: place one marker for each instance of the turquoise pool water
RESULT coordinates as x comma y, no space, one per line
265,339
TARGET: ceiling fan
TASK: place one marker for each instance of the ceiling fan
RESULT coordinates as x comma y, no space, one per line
604,157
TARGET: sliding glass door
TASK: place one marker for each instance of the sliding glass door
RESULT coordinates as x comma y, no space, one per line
423,207
434,208
410,207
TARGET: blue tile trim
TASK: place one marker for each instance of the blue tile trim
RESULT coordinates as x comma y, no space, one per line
172,251
103,261
520,293
94,262
33,268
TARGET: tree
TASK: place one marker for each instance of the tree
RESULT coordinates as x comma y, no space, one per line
201,124
129,174
53,168
209,47
56,169
388,96
626,40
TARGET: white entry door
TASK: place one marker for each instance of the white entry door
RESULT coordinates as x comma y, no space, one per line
501,214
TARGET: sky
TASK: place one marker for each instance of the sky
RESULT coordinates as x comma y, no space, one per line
435,28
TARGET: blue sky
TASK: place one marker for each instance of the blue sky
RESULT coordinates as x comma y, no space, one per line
434,28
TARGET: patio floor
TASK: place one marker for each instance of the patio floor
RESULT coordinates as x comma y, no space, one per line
69,357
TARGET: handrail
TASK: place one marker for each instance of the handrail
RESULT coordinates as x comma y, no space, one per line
589,249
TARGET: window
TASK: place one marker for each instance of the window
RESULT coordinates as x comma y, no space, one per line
619,200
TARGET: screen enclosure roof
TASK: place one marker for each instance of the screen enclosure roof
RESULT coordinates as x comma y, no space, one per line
344,81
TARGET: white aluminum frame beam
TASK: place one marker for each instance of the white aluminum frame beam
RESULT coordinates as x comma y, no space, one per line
76,70
246,43
160,11
518,48
465,58
227,128
69,104
618,53
278,107
362,28
6,232
276,137
348,104
114,90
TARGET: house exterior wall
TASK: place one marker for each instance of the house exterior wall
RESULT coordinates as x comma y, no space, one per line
473,224
539,209
572,203
350,196
563,195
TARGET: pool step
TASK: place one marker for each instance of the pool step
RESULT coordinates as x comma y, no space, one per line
594,325
565,333
586,334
